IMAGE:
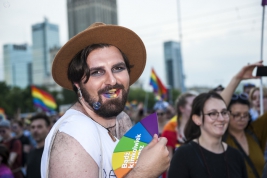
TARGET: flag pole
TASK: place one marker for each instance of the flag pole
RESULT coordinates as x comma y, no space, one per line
146,102
264,2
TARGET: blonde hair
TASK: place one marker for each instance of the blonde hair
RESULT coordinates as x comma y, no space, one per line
251,92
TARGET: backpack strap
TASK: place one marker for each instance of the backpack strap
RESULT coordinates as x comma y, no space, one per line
12,141
250,163
252,134
190,143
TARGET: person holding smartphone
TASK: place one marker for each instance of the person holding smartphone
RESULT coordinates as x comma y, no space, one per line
246,136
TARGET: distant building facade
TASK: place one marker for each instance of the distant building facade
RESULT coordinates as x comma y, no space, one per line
45,36
174,65
82,13
17,65
138,84
49,82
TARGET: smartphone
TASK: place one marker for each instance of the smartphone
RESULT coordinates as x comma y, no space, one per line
261,71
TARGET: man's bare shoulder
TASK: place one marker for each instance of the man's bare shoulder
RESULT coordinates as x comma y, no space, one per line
124,124
69,159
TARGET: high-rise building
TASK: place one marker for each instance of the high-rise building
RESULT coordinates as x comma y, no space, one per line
17,65
50,83
45,36
174,65
82,13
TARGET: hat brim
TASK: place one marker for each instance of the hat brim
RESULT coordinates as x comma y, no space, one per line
123,38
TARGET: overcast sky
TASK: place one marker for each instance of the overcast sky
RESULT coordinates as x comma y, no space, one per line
218,37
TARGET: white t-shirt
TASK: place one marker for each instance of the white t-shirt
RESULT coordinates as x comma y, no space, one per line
88,133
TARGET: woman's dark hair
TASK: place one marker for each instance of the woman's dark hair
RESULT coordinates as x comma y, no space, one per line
192,130
78,68
4,153
240,99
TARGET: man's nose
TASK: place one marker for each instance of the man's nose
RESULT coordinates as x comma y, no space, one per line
111,79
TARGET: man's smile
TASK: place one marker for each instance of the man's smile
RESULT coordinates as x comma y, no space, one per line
113,93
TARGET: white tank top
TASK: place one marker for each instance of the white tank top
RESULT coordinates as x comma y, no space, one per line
87,132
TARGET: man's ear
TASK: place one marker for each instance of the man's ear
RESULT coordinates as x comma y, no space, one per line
77,85
197,119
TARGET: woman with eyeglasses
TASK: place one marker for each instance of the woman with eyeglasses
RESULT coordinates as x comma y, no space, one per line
204,154
246,136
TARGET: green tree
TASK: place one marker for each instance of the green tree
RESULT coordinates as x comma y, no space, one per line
69,97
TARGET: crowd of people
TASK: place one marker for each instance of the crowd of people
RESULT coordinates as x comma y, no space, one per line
213,126
214,134
22,144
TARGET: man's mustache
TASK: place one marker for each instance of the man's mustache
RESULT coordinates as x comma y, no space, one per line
110,87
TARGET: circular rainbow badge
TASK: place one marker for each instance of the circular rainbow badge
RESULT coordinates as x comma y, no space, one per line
128,149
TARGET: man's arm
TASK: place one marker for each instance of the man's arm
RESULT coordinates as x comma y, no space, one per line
153,161
68,159
14,152
244,73
12,158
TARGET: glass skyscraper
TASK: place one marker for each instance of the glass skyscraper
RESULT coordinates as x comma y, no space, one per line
45,36
174,65
17,65
82,13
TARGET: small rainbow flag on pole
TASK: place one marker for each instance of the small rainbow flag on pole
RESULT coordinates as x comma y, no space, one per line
43,100
158,88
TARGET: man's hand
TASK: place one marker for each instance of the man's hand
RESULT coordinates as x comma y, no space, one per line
153,160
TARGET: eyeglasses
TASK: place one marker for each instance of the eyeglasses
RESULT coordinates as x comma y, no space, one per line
160,113
239,117
215,115
242,96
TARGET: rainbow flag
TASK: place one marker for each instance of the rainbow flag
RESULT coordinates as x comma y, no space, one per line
43,100
158,88
2,114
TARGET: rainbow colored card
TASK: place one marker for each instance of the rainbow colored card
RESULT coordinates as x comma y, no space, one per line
128,149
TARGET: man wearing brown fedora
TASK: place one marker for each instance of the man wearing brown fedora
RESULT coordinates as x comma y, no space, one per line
99,64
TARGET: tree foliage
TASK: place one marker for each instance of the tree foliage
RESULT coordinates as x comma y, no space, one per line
14,99
148,98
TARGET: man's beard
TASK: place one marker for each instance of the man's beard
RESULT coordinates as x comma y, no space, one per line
112,107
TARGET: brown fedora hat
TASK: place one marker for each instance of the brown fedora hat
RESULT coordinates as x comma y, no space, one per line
123,38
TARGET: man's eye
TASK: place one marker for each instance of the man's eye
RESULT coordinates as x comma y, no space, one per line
118,69
96,73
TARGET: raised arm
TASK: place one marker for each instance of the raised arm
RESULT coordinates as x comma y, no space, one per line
243,74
